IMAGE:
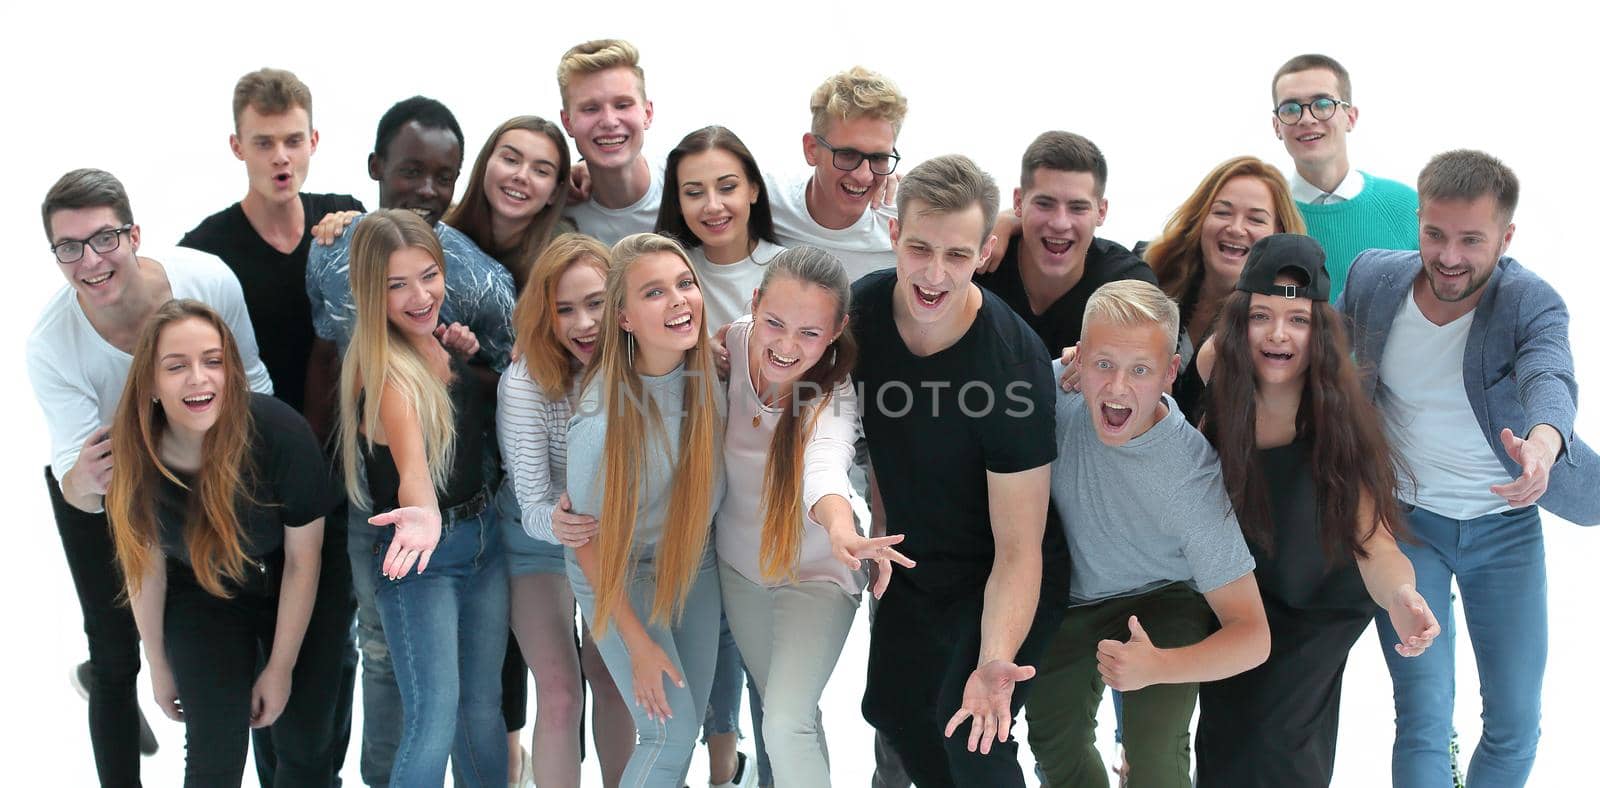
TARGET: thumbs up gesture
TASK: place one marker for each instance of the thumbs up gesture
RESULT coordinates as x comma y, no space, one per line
1133,665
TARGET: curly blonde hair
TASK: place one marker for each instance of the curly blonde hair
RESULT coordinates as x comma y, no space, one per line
856,93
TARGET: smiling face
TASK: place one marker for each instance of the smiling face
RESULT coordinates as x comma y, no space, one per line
520,178
418,172
606,114
276,151
580,302
1462,241
1279,332
715,194
936,255
1125,369
661,307
99,279
794,323
416,291
1060,212
191,375
1311,142
843,196
1241,214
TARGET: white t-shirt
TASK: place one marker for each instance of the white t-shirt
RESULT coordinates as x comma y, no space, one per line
78,376
610,225
726,289
1429,420
863,247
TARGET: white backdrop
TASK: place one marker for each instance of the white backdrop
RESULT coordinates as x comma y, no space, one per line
1166,94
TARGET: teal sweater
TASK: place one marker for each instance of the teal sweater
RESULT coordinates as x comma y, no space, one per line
1382,216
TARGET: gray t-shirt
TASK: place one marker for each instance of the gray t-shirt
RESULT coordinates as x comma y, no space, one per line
1145,514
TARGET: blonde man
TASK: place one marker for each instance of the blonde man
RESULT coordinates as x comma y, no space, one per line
605,109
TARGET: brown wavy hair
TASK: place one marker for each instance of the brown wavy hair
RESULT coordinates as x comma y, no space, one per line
783,524
1350,456
631,421
473,217
1175,256
211,528
549,363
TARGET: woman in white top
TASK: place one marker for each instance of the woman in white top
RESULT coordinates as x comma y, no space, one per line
558,326
789,550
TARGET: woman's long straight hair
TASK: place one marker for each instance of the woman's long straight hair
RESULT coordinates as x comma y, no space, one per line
380,356
632,421
782,503
211,527
472,215
1350,456
550,366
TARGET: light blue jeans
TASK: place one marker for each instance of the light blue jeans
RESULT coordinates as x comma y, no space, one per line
661,759
446,630
1498,562
380,697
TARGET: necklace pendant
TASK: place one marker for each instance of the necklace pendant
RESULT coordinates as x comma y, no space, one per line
755,421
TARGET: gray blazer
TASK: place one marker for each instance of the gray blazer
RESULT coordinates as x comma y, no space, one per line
1517,366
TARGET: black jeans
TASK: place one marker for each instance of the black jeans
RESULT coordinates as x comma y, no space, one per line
113,640
217,648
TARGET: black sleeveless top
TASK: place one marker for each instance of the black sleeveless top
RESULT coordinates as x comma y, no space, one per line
1296,574
473,400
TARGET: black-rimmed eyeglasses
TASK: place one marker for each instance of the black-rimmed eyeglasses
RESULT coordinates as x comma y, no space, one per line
1290,112
71,251
848,159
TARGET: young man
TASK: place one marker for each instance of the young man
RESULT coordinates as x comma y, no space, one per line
1156,552
78,357
415,160
855,118
1474,377
604,108
265,238
1348,211
1048,275
957,406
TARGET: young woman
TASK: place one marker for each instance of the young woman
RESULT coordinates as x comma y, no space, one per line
713,204
216,512
418,419
789,551
558,327
515,196
1312,480
644,458
1199,254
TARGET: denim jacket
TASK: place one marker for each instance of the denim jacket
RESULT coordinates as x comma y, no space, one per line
1517,366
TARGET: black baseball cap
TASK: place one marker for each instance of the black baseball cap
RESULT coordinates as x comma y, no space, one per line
1281,252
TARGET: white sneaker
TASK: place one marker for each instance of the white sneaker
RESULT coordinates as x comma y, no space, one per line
743,777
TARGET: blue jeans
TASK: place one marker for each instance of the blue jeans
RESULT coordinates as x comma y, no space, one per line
1498,562
380,697
446,630
661,759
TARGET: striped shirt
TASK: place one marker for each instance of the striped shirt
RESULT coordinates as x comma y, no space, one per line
533,446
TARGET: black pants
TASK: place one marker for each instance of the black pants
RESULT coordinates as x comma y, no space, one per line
317,735
217,648
923,650
113,640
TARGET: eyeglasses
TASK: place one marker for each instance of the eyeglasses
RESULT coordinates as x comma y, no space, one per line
848,159
70,251
1289,112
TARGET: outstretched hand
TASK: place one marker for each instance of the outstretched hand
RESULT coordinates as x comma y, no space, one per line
851,548
1535,457
1412,621
987,702
416,534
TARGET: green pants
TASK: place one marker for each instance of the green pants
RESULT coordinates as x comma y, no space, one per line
1155,720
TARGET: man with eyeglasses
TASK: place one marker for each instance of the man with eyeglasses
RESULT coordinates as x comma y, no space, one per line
855,118
1348,211
78,359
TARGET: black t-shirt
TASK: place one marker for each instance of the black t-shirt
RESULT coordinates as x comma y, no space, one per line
288,484
935,424
274,286
473,400
1297,575
1062,322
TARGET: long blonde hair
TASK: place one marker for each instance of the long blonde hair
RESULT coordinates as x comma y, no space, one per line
549,363
211,526
628,432
379,356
